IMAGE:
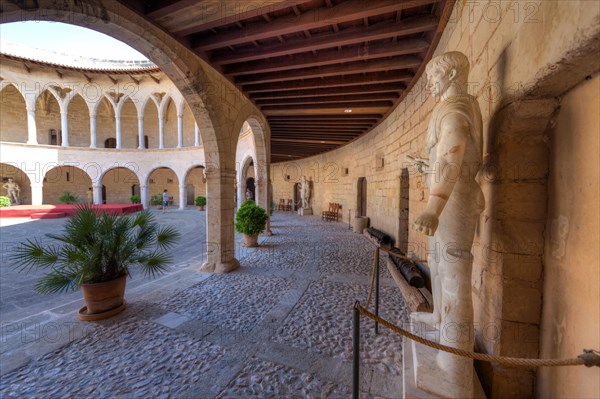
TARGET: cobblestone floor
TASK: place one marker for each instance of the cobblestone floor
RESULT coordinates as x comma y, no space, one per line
279,327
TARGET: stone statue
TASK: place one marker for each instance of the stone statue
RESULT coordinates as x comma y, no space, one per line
305,193
454,144
13,189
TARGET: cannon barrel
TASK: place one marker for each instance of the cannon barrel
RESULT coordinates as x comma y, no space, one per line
408,269
380,236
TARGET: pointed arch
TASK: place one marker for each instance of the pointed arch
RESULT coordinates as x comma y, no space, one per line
79,122
13,113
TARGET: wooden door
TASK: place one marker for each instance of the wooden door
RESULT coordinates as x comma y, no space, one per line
297,197
361,200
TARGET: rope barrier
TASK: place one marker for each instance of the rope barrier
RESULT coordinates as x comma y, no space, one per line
589,358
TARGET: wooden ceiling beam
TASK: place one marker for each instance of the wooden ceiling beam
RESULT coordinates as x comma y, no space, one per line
159,9
376,88
380,31
330,99
219,14
391,64
307,141
317,18
324,117
339,81
328,57
374,104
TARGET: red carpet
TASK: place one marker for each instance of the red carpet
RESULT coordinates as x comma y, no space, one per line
53,211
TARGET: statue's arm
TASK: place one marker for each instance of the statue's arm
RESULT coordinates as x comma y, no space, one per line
450,152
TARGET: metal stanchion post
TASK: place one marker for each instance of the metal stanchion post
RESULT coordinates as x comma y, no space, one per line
349,223
377,289
355,352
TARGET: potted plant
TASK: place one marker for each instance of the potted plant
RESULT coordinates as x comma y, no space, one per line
250,220
200,202
135,199
96,252
67,198
156,200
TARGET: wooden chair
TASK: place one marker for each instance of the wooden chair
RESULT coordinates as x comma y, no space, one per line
288,207
333,213
281,205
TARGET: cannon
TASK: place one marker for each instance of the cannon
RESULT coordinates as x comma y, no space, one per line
408,269
379,236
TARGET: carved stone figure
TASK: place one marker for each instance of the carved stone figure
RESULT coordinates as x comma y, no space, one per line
13,190
454,144
305,193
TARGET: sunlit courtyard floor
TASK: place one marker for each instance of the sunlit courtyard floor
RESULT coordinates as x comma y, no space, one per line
279,327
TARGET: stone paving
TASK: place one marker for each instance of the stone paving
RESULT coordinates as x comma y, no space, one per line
279,327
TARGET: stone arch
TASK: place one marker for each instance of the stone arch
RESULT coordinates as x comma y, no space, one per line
118,184
170,118
195,183
105,121
163,178
79,122
150,115
20,177
192,77
63,178
13,113
129,123
47,118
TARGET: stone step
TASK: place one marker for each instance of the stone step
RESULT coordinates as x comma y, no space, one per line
48,215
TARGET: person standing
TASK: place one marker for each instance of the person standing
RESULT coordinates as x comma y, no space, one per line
165,200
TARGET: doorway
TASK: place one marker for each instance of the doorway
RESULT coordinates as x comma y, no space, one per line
297,197
190,194
361,198
250,186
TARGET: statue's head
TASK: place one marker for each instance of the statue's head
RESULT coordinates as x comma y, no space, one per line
447,70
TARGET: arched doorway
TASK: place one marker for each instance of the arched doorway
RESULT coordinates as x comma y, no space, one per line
13,115
117,184
195,184
361,197
161,179
250,189
18,176
62,179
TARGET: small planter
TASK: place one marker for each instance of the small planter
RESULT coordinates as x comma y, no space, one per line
250,241
102,299
201,208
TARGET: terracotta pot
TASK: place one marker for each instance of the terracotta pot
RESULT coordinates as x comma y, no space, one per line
102,297
250,241
201,208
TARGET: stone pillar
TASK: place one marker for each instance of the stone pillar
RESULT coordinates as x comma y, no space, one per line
196,135
37,194
179,130
220,241
182,196
64,125
161,132
144,195
31,127
118,129
140,133
93,138
97,194
241,191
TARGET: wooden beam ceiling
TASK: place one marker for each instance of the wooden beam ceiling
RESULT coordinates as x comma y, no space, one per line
324,72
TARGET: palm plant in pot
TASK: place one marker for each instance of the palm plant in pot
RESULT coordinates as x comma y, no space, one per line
250,220
96,251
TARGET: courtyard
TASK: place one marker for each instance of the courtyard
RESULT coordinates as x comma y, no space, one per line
280,326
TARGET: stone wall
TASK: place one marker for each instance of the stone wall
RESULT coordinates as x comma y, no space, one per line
13,116
523,55
571,311
65,178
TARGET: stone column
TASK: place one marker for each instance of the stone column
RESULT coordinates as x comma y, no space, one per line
241,191
31,127
97,194
118,129
161,132
93,138
144,195
220,241
64,125
196,135
140,133
182,196
179,130
37,194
